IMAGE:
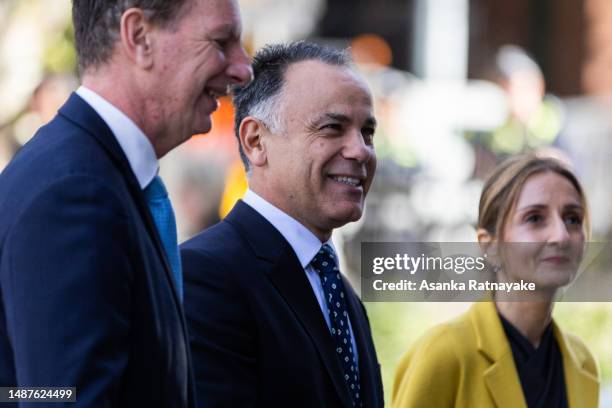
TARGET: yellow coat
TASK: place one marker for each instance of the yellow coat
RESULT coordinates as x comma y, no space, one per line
468,363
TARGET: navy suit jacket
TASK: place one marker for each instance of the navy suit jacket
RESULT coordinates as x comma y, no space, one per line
86,295
258,336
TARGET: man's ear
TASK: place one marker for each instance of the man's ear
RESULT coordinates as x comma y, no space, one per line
136,39
250,134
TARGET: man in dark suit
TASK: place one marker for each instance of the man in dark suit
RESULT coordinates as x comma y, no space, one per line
272,321
90,277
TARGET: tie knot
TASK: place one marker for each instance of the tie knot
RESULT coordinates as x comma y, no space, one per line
324,262
156,189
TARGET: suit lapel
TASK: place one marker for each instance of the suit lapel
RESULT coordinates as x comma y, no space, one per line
582,386
77,111
501,377
368,368
290,280
288,277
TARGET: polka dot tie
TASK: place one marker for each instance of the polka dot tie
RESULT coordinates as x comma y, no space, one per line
163,216
327,267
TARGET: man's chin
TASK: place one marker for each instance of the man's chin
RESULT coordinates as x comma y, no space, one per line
204,127
343,216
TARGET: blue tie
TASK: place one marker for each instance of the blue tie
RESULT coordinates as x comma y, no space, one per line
161,211
326,266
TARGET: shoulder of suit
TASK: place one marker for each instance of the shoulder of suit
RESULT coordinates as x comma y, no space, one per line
219,250
221,240
61,148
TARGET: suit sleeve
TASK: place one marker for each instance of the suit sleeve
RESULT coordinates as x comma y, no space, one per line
222,332
428,375
66,288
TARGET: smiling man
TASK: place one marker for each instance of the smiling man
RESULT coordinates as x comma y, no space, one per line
90,274
272,320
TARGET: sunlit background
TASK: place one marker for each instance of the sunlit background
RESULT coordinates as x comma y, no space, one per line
459,85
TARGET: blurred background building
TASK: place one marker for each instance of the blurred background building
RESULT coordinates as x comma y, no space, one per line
459,86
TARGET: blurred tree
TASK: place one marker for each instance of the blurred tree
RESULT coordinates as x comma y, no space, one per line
60,55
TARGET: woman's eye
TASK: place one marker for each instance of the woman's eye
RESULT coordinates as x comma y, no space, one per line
534,218
573,219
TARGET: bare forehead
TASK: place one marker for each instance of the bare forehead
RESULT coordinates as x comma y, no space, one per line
317,82
541,187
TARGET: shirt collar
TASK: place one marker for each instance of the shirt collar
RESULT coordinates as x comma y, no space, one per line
304,243
135,145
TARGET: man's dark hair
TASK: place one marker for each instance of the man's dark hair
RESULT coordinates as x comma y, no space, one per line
96,24
269,67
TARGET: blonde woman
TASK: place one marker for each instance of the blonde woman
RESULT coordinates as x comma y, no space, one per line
509,353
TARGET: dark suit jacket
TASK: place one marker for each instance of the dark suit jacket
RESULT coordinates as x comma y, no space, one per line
86,294
258,335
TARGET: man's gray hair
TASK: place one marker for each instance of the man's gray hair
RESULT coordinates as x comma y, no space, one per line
268,112
262,98
96,24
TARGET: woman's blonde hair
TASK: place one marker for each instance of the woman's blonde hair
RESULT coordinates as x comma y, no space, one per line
502,188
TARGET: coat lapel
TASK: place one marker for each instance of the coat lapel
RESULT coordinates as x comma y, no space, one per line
582,386
288,277
501,377
80,113
502,382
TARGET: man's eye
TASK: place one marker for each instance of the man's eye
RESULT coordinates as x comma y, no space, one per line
221,43
368,134
332,126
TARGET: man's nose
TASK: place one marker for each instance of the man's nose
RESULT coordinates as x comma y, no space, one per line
356,148
239,69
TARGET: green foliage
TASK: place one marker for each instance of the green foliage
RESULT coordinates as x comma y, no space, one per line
593,323
60,55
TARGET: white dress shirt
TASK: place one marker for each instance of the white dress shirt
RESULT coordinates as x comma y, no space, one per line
135,145
304,243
